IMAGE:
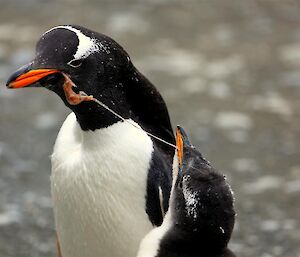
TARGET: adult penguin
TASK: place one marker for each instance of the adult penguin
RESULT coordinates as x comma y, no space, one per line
110,181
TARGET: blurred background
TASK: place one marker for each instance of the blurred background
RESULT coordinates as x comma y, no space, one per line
229,71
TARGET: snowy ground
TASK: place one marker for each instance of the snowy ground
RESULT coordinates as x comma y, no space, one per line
229,71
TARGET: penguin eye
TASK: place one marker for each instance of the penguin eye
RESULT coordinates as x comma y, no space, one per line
75,63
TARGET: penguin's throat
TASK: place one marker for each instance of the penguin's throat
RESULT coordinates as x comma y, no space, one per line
72,97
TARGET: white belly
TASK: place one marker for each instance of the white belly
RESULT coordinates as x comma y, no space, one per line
98,186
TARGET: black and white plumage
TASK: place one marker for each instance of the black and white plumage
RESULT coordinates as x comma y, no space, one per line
201,214
110,181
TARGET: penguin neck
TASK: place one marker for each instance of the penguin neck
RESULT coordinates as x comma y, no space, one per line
195,234
96,118
92,116
133,97
196,240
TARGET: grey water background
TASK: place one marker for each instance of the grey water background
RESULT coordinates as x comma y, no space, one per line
230,73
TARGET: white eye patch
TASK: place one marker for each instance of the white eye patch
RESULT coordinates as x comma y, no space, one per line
85,47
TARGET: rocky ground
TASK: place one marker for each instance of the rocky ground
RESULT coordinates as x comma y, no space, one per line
230,73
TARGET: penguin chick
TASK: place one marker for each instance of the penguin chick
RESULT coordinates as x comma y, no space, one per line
201,212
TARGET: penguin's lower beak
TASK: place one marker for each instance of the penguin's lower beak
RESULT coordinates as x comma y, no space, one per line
26,76
181,142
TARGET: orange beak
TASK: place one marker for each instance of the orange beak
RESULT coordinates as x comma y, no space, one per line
30,77
179,145
182,142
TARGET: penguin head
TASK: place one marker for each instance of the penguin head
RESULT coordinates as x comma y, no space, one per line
202,199
94,62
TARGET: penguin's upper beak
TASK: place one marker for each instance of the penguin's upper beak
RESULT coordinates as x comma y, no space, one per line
182,141
27,76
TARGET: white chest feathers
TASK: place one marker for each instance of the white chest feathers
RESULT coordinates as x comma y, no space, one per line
98,186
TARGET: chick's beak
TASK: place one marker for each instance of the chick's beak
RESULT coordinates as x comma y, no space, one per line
26,76
182,141
179,145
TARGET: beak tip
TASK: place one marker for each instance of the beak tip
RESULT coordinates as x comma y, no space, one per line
9,82
180,133
9,85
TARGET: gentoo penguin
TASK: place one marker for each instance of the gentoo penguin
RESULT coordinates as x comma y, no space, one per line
201,214
110,181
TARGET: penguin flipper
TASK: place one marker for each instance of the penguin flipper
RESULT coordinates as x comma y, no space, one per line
159,183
